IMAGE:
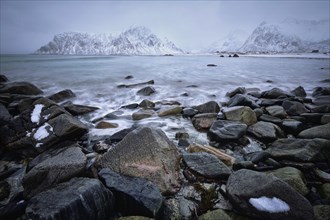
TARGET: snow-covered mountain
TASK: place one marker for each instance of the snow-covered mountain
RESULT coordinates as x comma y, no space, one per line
134,41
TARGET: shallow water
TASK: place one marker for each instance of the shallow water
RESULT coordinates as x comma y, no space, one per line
94,80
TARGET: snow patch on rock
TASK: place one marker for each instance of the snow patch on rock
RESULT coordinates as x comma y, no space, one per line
35,115
272,205
42,132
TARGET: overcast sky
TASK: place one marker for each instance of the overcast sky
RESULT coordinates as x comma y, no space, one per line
27,25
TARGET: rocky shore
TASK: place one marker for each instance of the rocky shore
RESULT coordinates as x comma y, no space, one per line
52,168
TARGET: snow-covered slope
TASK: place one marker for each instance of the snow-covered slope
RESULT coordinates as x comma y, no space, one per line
134,41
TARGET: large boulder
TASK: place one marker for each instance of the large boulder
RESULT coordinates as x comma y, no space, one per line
208,107
265,131
204,121
133,195
322,131
241,113
62,95
242,100
300,150
263,196
66,164
275,93
322,100
292,126
206,165
299,91
276,111
222,130
148,153
23,88
79,109
80,198
238,90
294,108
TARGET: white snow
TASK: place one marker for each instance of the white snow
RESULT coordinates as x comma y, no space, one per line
46,117
42,132
38,145
272,205
28,134
35,115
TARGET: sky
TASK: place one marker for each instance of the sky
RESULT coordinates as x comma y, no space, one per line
27,25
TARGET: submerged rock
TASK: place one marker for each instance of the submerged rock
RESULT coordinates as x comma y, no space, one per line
258,195
322,131
80,198
23,88
147,153
133,195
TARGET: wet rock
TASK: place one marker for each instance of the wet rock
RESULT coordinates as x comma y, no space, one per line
131,106
147,153
322,131
238,90
321,212
300,150
256,157
322,100
105,125
204,121
58,168
146,91
23,88
325,191
3,78
235,55
211,65
206,165
118,136
133,195
79,109
170,111
222,130
240,113
129,77
147,104
189,112
294,108
62,95
321,91
80,198
276,111
5,117
294,177
324,176
242,100
275,93
270,102
248,189
314,118
142,114
269,118
325,119
181,135
265,131
208,107
215,214
258,112
136,84
299,91
292,126
255,94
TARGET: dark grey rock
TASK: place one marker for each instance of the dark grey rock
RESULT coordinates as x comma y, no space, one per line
3,78
269,118
242,100
245,185
79,198
131,106
270,102
275,93
223,130
299,91
146,153
294,108
142,114
208,107
204,121
321,109
133,195
129,77
256,157
300,150
146,91
206,165
118,136
325,119
321,212
292,126
181,135
322,131
136,84
276,111
322,100
5,116
189,112
211,64
238,90
56,169
265,131
321,91
258,112
240,113
23,88
62,95
314,118
147,104
79,109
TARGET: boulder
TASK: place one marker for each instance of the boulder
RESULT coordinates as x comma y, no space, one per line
215,214
322,131
5,116
242,100
299,92
56,169
23,88
292,126
170,111
79,109
206,165
118,136
79,198
133,195
275,93
294,177
294,108
321,212
146,104
271,119
142,114
312,118
325,119
300,150
148,153
262,196
204,121
322,100
208,107
3,78
131,106
270,102
265,131
321,91
276,111
62,95
146,91
222,130
240,113
189,112
238,90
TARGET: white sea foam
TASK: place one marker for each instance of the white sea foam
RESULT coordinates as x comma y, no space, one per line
35,115
272,205
42,132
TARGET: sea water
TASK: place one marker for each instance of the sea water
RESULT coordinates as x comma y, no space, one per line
94,79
